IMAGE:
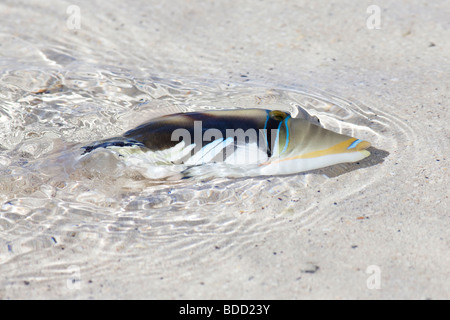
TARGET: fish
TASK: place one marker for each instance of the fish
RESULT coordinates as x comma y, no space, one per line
233,143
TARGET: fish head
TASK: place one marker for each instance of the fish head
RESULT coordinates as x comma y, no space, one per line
300,145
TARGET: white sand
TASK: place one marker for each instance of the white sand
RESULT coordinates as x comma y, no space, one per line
398,223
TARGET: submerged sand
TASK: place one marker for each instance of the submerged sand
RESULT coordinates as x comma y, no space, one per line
387,239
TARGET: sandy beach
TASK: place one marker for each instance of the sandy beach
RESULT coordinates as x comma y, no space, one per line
380,231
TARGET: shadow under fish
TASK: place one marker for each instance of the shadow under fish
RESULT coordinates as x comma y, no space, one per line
232,143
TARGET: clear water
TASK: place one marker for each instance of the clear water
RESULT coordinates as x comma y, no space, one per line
58,214
54,204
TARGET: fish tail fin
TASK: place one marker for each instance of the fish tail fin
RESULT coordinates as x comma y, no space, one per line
118,142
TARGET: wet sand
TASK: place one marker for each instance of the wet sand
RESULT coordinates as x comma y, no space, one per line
388,240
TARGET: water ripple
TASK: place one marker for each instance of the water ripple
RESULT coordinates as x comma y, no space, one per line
54,206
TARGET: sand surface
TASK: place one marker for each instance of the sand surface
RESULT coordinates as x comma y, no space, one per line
386,239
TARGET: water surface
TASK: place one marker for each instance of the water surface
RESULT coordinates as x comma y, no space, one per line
62,219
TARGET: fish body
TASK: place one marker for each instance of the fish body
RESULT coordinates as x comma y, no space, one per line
233,143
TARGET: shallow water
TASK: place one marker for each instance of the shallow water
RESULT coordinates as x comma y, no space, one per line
60,217
53,203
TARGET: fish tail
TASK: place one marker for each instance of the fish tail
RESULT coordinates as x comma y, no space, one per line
113,142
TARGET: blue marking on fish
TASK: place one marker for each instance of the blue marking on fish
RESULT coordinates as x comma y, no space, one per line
354,144
287,134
